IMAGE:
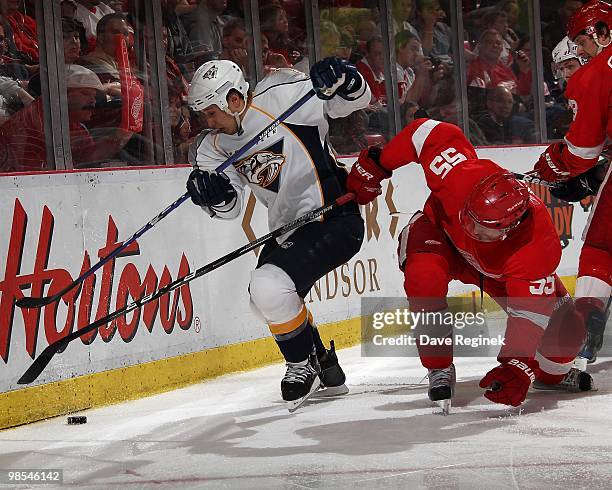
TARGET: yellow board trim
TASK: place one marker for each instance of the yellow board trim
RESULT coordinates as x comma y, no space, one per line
84,392
28,405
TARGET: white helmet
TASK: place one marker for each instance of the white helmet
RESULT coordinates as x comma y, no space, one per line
565,50
211,83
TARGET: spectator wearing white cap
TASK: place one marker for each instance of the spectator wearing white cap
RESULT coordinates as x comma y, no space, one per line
22,137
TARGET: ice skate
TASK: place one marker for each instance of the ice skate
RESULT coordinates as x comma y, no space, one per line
575,381
332,377
300,382
442,387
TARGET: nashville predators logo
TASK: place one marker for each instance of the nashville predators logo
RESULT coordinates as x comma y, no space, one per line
262,169
210,74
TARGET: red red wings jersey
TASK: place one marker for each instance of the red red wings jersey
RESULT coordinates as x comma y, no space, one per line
452,169
589,94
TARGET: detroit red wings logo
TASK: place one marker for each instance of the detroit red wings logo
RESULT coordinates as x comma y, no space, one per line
261,168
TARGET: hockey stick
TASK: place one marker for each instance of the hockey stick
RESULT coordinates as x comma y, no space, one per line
534,179
30,302
47,354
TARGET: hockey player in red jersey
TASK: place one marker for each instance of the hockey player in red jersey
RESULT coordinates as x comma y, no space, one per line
573,160
481,226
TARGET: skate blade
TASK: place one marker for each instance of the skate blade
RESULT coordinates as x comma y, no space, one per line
443,407
293,405
332,391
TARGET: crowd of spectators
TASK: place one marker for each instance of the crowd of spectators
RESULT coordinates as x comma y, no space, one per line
101,120
496,48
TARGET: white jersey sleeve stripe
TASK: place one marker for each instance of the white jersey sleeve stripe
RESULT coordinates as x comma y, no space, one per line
587,153
421,134
537,318
551,367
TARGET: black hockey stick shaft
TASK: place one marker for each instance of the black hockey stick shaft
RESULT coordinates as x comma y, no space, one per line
47,354
30,302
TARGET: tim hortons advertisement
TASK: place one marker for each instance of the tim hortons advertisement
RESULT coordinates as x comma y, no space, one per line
55,226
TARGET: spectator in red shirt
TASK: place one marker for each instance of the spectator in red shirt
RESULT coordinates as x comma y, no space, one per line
372,68
22,137
10,67
24,29
487,71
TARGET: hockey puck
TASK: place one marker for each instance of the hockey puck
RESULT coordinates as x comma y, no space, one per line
77,420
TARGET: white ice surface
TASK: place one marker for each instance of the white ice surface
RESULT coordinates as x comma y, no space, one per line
235,432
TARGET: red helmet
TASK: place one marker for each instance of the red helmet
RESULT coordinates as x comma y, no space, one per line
586,18
495,206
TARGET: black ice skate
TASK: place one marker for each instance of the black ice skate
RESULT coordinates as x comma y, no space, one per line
442,387
332,376
300,382
575,381
596,325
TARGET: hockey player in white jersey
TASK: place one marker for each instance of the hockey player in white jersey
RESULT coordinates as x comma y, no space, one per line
291,172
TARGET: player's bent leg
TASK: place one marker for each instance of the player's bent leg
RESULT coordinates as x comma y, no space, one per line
562,339
303,258
274,295
424,256
307,255
434,336
426,284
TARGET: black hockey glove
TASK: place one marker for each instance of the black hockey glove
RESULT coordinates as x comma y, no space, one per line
581,186
327,78
210,188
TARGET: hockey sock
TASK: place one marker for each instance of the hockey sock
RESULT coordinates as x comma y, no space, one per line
297,344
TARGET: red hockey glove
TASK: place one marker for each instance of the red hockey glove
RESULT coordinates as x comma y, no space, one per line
508,383
132,93
366,175
550,166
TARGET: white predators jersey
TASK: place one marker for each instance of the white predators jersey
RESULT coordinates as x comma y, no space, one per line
291,171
